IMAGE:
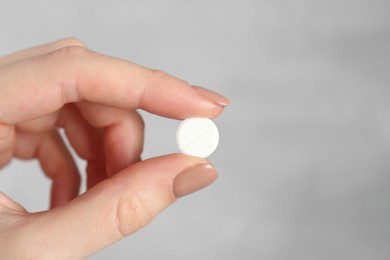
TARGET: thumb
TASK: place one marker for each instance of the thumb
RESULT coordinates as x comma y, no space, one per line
115,208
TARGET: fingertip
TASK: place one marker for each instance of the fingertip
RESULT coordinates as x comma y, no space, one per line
169,96
193,179
6,204
212,96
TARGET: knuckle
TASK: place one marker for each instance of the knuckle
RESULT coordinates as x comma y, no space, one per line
71,41
65,57
132,214
157,74
68,53
64,66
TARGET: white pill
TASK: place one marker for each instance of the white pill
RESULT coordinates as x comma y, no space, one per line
197,136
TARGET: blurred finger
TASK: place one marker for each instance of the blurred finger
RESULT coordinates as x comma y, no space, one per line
55,160
87,142
7,143
7,205
124,142
123,133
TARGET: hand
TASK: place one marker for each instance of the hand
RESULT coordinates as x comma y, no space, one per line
94,98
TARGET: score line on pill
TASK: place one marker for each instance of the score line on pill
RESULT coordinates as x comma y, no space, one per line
197,136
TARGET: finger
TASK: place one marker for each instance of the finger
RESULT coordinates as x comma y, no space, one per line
8,205
39,50
7,143
75,73
87,142
83,124
58,164
124,142
55,160
123,133
11,216
116,207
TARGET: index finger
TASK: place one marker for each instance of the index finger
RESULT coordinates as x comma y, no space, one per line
41,85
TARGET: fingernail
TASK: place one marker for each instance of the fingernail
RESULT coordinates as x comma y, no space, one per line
212,96
193,179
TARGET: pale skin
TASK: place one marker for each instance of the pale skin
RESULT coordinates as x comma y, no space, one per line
94,98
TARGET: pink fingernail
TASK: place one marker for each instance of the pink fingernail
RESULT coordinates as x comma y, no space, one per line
212,96
193,179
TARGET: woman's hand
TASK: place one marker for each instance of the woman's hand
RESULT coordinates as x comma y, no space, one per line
94,98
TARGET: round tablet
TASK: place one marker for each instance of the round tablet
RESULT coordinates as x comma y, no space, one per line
197,136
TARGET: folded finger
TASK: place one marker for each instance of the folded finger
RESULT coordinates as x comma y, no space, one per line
123,133
55,160
87,141
7,143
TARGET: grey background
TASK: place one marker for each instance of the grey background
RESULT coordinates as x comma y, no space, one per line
305,146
